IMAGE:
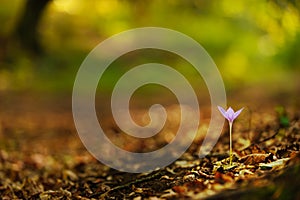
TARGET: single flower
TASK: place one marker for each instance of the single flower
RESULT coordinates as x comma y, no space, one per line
230,115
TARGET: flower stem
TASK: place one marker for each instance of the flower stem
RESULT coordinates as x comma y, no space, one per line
230,143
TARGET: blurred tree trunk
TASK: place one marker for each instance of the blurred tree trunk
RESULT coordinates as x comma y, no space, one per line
26,29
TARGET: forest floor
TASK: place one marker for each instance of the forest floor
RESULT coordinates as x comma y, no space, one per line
42,157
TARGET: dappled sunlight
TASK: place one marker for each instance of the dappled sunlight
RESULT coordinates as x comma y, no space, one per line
68,6
235,65
240,36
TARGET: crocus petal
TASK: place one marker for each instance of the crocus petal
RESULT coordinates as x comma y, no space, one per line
230,114
237,113
223,111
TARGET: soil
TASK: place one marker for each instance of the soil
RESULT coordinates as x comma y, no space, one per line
42,157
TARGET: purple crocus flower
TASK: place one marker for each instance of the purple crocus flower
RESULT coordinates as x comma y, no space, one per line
229,114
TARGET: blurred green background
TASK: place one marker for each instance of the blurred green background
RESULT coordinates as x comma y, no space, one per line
253,42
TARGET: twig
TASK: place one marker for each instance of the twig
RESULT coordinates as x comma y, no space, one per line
206,175
268,138
126,185
262,141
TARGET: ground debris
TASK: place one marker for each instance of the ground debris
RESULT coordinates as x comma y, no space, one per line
59,168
